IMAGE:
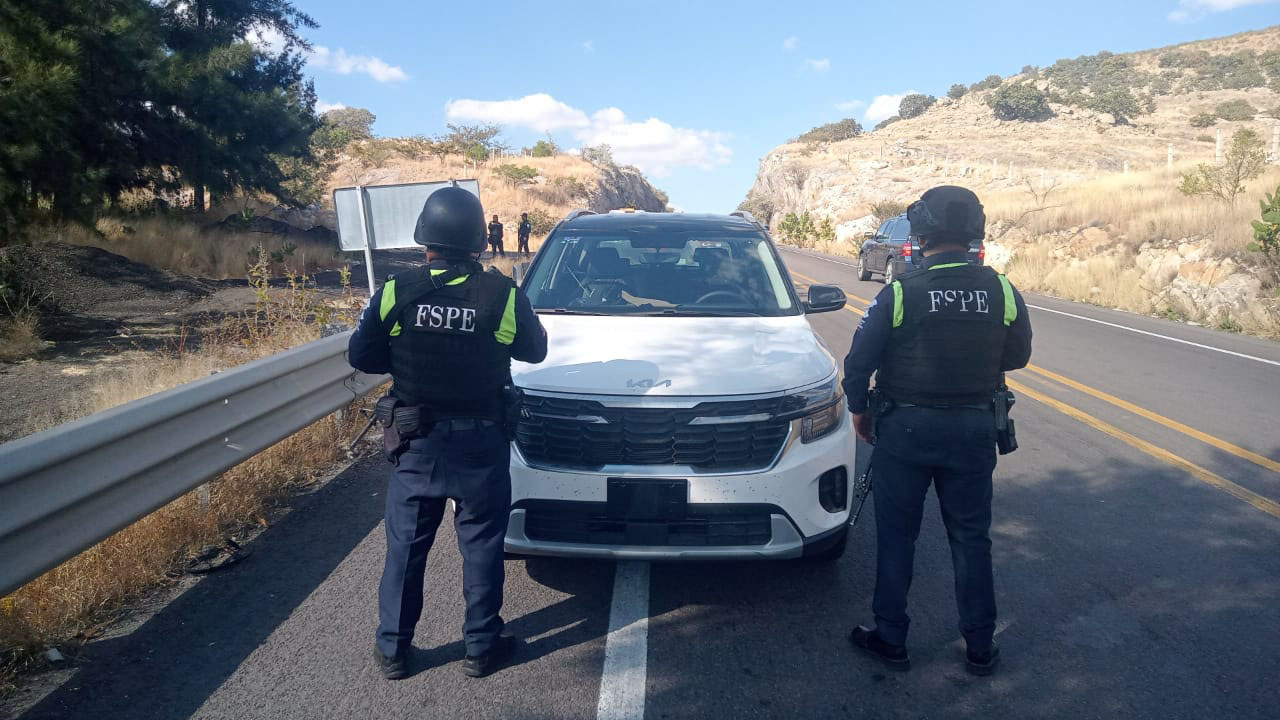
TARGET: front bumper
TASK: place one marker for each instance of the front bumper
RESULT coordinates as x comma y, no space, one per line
788,489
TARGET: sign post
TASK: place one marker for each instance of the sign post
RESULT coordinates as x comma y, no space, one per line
383,217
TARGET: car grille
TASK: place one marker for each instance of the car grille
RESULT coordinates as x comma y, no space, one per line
585,434
702,526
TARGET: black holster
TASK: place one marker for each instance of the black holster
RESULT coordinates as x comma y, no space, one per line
1006,435
400,424
512,400
879,404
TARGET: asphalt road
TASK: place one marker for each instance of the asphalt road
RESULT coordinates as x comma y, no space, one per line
1136,543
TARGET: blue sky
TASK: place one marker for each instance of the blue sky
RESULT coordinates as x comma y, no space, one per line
695,93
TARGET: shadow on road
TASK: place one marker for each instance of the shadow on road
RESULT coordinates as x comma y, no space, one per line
167,667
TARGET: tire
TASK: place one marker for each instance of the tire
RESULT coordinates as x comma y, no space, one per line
832,552
889,273
863,272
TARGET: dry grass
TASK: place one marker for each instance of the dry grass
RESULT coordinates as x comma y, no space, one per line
19,337
1139,207
64,605
181,246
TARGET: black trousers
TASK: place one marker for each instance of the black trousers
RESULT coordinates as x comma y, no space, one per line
471,466
522,245
495,247
954,450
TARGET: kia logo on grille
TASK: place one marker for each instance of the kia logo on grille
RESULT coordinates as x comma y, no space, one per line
648,383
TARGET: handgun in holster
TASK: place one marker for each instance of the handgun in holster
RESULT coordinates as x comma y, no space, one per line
400,424
878,404
512,400
1006,435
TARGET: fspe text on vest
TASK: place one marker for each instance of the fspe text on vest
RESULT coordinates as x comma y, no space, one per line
968,300
443,317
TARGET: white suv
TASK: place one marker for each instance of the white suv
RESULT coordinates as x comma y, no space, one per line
686,409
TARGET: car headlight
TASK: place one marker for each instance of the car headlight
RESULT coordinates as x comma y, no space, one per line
819,409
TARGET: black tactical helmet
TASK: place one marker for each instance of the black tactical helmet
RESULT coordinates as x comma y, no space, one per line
451,219
947,213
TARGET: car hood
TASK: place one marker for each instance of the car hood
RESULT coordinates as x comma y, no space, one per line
673,356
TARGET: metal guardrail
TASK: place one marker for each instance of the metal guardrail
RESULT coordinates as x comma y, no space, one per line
65,489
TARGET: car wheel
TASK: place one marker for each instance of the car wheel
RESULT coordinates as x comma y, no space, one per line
863,272
834,551
889,273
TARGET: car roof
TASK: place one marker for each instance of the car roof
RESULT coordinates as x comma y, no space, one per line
659,222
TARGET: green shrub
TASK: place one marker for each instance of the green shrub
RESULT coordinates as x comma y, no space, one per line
957,91
541,222
832,132
1243,161
1020,101
915,105
1235,110
1266,231
1119,103
545,148
990,82
1183,59
600,154
887,122
516,174
1203,120
886,209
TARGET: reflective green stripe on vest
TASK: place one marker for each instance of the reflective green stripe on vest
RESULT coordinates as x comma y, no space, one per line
947,265
897,304
506,332
389,297
388,302
1010,305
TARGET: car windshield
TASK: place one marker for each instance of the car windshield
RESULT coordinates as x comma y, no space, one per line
660,273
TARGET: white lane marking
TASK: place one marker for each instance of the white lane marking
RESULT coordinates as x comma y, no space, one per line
1158,335
1093,320
626,649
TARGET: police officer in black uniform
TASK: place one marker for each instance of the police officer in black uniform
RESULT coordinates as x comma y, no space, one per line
939,341
522,234
495,238
447,333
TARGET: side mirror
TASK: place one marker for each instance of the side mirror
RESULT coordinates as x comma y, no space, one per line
824,298
869,235
519,270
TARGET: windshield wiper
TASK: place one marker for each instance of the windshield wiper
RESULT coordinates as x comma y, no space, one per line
706,312
569,311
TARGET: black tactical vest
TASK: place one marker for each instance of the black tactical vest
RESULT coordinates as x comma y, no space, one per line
948,336
444,353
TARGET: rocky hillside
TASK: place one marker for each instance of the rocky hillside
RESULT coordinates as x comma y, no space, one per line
545,187
1075,167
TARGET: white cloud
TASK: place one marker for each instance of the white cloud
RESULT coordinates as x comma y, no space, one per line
883,107
589,45
1192,10
790,43
539,112
821,65
267,39
341,62
323,107
851,106
653,145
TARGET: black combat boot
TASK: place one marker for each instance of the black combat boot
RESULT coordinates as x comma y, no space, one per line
395,667
869,641
497,656
982,663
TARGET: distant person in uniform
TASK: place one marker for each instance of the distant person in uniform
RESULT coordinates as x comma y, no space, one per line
446,332
522,234
939,340
495,238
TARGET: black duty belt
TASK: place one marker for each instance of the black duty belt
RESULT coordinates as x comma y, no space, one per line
957,406
468,423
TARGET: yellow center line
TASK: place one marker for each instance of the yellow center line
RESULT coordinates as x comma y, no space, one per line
1161,420
1268,506
1264,504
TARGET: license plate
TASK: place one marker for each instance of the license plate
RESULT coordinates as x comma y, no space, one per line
647,498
